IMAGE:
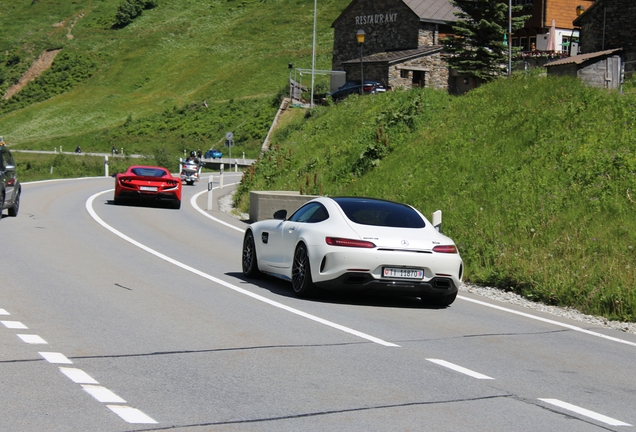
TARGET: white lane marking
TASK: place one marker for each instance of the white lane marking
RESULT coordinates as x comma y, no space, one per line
91,211
584,412
131,415
14,325
549,321
32,339
78,376
57,358
204,213
4,312
459,369
102,394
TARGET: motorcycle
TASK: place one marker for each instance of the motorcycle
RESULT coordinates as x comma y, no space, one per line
190,171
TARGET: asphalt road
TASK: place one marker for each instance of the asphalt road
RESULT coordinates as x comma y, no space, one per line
117,318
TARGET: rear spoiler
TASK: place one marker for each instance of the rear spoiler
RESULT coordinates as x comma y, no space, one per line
437,220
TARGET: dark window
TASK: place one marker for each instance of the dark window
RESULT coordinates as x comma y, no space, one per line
367,211
149,172
310,213
418,78
404,73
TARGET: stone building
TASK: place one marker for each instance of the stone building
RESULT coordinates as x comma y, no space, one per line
609,24
402,46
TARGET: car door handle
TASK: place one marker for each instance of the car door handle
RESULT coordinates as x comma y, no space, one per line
292,229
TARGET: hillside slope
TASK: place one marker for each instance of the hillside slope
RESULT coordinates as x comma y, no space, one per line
181,52
536,178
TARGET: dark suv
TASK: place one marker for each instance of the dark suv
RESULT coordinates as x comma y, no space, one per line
10,188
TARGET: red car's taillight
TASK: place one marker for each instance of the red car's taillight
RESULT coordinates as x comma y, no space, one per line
369,88
445,249
336,241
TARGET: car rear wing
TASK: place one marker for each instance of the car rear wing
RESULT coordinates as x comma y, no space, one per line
437,220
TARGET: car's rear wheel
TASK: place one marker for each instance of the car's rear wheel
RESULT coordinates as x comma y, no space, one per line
249,260
301,273
443,300
13,211
176,204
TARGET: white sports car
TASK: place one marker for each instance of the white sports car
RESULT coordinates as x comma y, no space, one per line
355,243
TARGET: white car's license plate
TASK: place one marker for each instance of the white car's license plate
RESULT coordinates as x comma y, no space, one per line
148,188
404,273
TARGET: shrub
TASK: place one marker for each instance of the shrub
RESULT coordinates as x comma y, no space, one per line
128,10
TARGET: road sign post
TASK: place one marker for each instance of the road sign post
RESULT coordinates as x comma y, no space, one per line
229,139
210,193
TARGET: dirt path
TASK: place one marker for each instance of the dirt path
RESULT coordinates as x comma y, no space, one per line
40,65
44,61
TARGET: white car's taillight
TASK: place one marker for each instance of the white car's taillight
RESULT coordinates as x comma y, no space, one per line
337,241
445,249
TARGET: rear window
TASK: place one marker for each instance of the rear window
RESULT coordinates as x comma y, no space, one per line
149,172
374,212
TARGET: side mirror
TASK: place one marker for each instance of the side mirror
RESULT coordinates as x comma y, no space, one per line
280,214
9,168
437,220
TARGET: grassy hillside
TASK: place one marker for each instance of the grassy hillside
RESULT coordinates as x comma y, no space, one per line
536,178
179,54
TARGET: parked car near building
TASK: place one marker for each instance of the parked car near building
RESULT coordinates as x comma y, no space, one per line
353,87
10,188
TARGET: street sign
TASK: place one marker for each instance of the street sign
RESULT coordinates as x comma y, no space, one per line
229,136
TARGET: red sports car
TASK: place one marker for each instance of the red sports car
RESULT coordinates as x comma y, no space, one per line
148,183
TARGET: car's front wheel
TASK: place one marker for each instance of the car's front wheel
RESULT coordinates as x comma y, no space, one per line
301,273
249,260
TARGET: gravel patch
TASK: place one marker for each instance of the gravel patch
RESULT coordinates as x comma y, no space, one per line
226,205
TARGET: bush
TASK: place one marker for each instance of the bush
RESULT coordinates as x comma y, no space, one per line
128,10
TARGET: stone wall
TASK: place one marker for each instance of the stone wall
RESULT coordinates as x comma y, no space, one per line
436,72
619,30
263,204
427,35
389,25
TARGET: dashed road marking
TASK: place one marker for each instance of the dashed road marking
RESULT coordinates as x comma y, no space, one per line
131,415
585,412
14,325
102,394
53,357
4,312
32,339
459,369
78,376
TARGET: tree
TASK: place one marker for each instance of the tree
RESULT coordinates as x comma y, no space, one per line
478,47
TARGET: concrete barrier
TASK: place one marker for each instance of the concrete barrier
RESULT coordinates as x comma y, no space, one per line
263,204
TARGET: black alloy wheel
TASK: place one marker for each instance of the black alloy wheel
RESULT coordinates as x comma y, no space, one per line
440,300
301,273
249,260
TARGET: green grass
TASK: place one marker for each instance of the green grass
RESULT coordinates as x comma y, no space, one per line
536,178
180,53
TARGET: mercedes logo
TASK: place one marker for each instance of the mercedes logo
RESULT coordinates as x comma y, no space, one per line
405,243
